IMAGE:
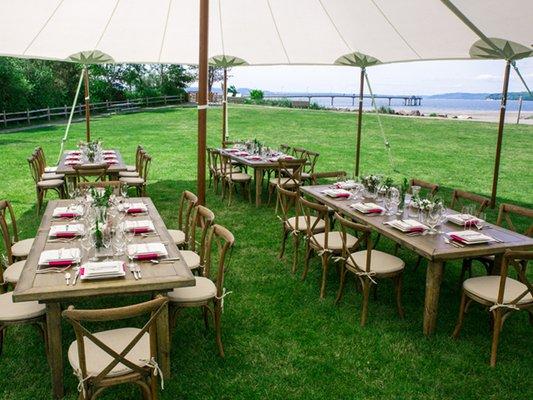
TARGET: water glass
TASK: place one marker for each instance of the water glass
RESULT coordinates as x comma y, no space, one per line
124,190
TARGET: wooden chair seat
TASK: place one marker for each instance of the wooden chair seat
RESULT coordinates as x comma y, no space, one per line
178,236
50,169
380,262
284,182
319,226
191,259
334,240
132,180
487,287
305,176
50,184
51,175
22,248
12,273
128,174
117,339
131,168
204,290
239,177
11,312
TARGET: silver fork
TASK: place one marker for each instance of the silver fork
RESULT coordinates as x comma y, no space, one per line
138,270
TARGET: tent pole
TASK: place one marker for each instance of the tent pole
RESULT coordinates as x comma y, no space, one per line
500,134
359,121
202,97
87,105
224,106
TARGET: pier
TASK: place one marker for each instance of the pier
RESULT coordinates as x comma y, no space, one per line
408,101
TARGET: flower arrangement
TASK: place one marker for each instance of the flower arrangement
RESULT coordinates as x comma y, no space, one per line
371,182
101,197
426,204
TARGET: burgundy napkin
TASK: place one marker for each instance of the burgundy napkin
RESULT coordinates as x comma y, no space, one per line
135,210
60,263
373,211
458,238
232,150
73,162
67,215
254,158
146,256
416,229
65,234
141,229
346,195
242,153
111,161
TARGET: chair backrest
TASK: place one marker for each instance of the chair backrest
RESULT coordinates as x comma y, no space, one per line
432,188
311,157
219,242
327,175
39,155
203,218
76,317
35,168
97,171
519,260
226,167
138,156
313,213
288,200
364,237
187,203
298,152
460,196
504,215
10,237
289,172
285,148
116,185
144,167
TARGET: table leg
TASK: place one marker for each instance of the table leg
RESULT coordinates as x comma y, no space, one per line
55,353
163,342
433,281
258,185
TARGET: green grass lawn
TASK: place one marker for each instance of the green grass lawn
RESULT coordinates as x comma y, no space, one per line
281,341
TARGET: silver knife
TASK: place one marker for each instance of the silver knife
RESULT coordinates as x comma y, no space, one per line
76,274
132,270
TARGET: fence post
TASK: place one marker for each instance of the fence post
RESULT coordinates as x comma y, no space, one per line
165,97
80,109
5,119
48,113
65,111
28,116
107,105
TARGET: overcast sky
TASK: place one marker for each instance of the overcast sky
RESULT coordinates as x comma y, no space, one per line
422,78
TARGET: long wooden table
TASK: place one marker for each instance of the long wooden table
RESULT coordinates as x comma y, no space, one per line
431,247
68,170
52,290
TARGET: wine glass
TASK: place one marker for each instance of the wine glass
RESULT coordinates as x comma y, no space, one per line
479,222
71,186
86,244
124,190
433,218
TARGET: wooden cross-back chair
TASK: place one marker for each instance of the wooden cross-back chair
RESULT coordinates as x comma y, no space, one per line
115,185
288,176
286,149
311,158
213,164
42,186
298,152
47,169
368,265
502,294
113,357
459,197
206,291
187,203
46,172
231,178
323,242
432,188
202,217
506,214
134,170
91,172
139,182
329,175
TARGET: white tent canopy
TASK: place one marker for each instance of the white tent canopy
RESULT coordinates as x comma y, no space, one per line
261,32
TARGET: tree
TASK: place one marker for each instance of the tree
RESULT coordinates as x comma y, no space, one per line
13,85
216,74
174,79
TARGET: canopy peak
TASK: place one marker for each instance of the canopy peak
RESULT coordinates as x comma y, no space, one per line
508,50
357,59
91,57
226,61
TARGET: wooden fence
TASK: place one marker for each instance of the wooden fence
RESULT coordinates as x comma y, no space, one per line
105,107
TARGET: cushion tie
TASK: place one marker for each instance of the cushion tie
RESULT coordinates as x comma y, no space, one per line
509,306
152,363
221,298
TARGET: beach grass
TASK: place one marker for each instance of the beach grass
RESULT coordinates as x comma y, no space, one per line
281,341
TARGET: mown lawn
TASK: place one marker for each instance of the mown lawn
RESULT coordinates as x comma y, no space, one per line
281,341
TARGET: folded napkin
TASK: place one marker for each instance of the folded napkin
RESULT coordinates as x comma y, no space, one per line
232,150
68,212
254,158
367,208
470,237
104,269
147,251
73,158
346,185
133,208
60,257
66,231
139,226
337,193
72,162
463,219
241,153
74,152
109,152
111,161
407,225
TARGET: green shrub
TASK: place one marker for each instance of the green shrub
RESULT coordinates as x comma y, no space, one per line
256,94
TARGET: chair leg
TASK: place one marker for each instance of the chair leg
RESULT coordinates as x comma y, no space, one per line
270,190
218,327
230,194
418,261
496,336
399,283
466,267
325,265
342,280
296,242
462,309
2,328
396,248
366,297
205,313
285,234
307,257
249,186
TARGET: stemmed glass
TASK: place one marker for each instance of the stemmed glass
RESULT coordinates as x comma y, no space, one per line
434,217
124,190
87,243
391,200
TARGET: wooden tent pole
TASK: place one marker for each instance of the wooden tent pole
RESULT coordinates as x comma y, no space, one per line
202,98
87,105
224,106
500,134
359,121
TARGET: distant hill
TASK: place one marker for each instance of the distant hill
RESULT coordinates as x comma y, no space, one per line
462,96
511,96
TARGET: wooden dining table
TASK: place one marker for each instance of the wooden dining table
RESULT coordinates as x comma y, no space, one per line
433,248
52,289
113,169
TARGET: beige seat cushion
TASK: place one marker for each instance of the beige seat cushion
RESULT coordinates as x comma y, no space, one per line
334,240
305,176
284,182
302,223
205,289
10,311
487,288
239,177
117,339
51,175
380,262
178,237
49,184
12,273
50,169
191,259
131,168
22,247
132,180
128,174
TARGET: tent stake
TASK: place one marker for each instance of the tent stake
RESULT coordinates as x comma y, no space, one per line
87,105
224,106
500,134
202,97
359,121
